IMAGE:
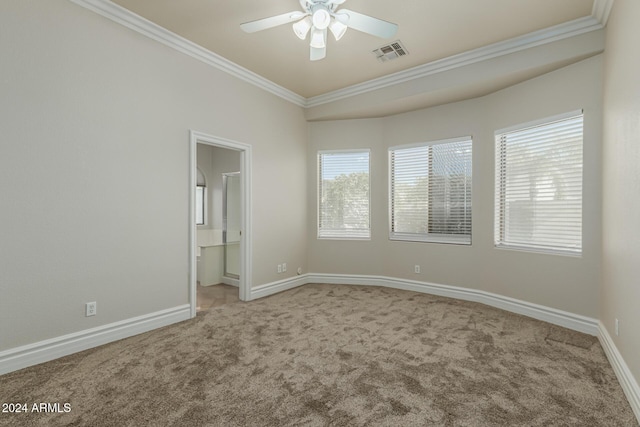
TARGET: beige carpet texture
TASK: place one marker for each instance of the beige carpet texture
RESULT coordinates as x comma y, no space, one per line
332,355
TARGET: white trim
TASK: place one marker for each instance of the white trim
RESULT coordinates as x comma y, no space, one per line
246,239
278,286
192,251
575,253
601,10
625,377
441,239
517,44
230,281
562,318
147,28
44,351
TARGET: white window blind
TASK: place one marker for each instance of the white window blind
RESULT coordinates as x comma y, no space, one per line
539,186
430,191
343,195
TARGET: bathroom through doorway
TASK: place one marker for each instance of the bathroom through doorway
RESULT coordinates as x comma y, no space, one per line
220,239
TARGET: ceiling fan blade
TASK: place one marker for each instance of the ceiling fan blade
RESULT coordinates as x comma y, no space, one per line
316,53
273,21
367,24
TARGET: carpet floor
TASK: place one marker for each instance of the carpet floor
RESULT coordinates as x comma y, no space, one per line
332,355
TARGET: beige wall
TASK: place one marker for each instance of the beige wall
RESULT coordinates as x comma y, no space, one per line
562,282
94,169
94,122
620,292
355,256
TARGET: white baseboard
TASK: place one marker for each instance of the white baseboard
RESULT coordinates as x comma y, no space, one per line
230,281
44,351
625,377
565,319
554,316
278,286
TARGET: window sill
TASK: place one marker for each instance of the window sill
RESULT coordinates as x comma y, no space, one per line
344,238
446,240
546,251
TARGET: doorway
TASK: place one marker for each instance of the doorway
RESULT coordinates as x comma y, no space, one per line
240,229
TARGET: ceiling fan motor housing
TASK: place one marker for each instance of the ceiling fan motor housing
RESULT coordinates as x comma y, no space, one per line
320,16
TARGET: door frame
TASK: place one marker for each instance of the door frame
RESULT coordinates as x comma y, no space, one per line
196,138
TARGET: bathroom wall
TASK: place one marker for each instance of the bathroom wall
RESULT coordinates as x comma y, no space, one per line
213,162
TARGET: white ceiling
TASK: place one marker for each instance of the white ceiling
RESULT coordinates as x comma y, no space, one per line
431,30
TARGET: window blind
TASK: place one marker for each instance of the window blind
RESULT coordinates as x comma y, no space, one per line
539,186
343,195
430,191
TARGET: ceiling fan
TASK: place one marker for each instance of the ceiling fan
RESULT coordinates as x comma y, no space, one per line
317,17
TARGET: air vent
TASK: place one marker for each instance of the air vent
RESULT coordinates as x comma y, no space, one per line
391,51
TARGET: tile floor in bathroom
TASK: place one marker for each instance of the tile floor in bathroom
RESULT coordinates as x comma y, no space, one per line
215,295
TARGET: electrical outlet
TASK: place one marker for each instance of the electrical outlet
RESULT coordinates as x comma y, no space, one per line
90,309
279,268
284,267
416,269
617,327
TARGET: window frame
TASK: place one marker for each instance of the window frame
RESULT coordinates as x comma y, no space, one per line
500,190
335,234
438,238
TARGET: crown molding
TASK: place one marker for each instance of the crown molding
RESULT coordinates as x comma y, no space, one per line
537,38
601,10
110,10
147,28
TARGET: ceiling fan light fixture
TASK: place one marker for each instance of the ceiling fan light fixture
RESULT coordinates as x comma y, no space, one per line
321,18
337,29
318,38
317,18
302,27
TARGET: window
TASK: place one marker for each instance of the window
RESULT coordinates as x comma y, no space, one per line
539,185
201,197
343,195
430,191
